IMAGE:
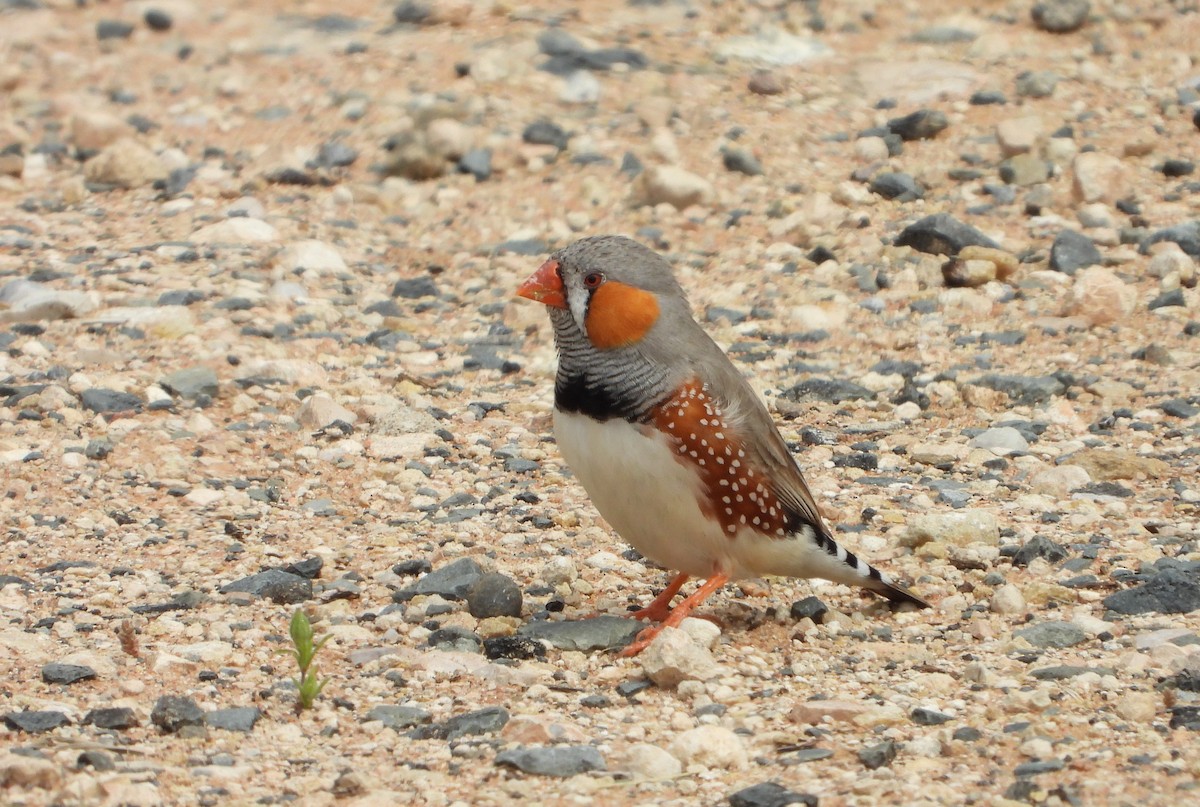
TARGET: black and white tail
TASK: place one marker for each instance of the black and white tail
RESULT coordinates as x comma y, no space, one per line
861,573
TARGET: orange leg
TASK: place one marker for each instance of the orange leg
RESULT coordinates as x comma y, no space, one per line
680,613
660,608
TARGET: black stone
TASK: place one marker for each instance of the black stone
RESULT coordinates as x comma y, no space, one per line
967,734
55,673
488,720
741,161
158,20
273,584
559,760
96,760
897,186
107,401
1185,717
1186,235
1072,251
172,712
236,718
942,234
113,29
113,717
494,594
1179,408
878,755
919,125
545,133
34,722
455,639
928,717
336,154
180,297
1171,591
309,568
413,288
1039,547
986,97
477,162
1038,766
513,647
1168,299
1177,168
833,390
1060,16
810,607
411,12
769,794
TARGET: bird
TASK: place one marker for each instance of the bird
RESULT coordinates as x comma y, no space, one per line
670,442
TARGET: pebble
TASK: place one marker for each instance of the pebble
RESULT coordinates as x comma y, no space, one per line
172,713
1060,16
1072,251
770,794
766,82
235,718
35,721
192,383
113,29
126,163
646,762
1007,600
1100,297
116,718
1168,592
898,187
597,633
451,581
1019,135
1036,83
920,125
275,585
1097,177
960,528
1001,441
580,87
66,674
239,230
709,747
158,20
668,184
878,756
1052,634
942,234
1039,547
494,594
311,255
674,657
741,161
398,717
561,760
477,162
1024,170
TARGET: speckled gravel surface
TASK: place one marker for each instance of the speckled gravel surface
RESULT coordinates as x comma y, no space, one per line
259,352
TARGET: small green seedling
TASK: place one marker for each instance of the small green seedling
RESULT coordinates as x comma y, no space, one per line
305,651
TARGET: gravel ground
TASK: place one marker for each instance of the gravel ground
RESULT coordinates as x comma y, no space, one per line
260,352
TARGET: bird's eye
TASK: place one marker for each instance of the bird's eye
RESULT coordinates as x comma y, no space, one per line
593,280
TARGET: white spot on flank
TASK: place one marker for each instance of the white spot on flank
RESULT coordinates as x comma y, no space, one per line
731,528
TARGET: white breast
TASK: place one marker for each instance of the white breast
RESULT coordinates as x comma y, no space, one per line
652,500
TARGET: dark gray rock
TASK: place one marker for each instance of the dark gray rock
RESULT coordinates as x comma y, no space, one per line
1038,766
309,568
920,125
158,20
1168,299
513,647
896,186
113,29
55,673
1024,389
191,383
173,712
1172,591
108,401
411,12
455,639
770,794
833,390
741,161
273,584
115,718
598,633
1052,634
336,154
1060,16
414,288
929,717
943,35
1063,672
1177,168
1185,717
986,97
450,581
1072,251
558,760
942,234
878,755
1179,408
97,760
494,594
477,162
35,722
235,718
967,734
1039,547
398,717
810,607
545,133
180,297
488,720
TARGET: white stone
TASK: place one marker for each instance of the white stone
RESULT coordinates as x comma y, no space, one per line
581,87
709,747
311,255
1007,600
1018,135
672,185
319,410
1098,177
960,528
644,761
239,230
674,656
1002,440
203,497
1100,297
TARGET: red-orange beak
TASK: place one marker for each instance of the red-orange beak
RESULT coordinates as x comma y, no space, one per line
545,286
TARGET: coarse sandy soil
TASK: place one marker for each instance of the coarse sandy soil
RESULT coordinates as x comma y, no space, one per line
256,272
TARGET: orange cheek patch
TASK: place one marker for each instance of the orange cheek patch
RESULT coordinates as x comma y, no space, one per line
620,315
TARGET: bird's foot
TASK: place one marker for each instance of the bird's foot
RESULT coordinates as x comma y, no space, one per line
641,641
